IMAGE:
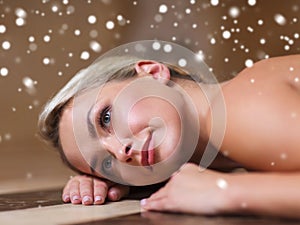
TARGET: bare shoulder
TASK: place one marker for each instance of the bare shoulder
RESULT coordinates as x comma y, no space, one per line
263,115
276,69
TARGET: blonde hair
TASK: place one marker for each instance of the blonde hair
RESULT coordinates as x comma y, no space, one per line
97,74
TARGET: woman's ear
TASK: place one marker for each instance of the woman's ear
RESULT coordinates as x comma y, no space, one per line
155,69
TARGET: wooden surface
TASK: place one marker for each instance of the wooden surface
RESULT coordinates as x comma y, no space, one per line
45,207
154,218
26,200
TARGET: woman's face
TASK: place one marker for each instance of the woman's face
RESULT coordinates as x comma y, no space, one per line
128,131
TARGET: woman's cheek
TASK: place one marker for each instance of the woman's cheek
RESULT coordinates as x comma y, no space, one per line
172,139
143,113
162,118
138,119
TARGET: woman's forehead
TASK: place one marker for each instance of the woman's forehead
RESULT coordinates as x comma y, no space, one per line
66,134
69,144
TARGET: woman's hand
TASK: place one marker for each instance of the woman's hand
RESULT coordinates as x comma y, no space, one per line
88,190
191,191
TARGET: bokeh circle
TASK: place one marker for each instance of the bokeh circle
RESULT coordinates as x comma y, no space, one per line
137,91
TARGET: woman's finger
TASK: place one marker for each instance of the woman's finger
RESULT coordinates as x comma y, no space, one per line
157,204
66,193
117,191
100,190
74,191
86,190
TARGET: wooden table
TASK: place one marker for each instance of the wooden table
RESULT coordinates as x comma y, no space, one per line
45,207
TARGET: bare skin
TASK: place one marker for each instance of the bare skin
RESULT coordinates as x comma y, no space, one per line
89,190
262,134
213,193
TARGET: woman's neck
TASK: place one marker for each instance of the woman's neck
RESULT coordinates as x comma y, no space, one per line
202,96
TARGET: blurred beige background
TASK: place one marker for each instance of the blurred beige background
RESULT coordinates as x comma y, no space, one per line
44,43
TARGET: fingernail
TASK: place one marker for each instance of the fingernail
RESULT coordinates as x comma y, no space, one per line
143,202
66,198
87,199
75,198
98,198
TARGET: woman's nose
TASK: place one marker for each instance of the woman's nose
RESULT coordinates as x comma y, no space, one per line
121,151
124,154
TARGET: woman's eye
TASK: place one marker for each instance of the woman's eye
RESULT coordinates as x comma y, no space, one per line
107,163
105,118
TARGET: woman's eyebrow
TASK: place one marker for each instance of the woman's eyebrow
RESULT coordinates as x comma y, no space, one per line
93,163
90,125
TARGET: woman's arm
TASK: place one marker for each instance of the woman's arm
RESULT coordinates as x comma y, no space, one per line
271,194
212,193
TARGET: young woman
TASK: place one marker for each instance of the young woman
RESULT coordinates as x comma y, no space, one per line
143,130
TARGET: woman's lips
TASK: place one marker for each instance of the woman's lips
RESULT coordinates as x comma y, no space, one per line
151,152
148,151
